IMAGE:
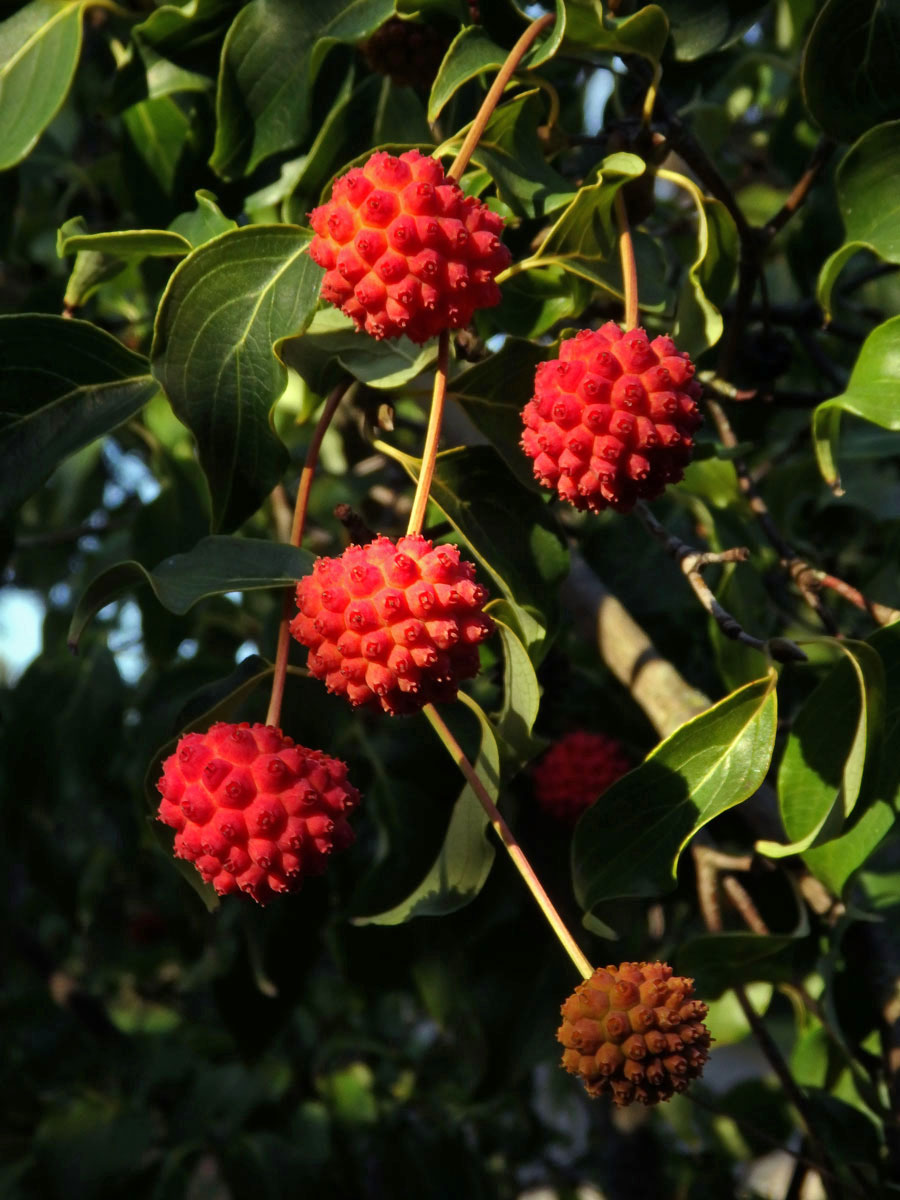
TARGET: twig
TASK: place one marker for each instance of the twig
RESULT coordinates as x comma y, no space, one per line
508,839
801,189
692,563
273,715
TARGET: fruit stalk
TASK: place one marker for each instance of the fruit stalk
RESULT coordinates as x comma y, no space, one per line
492,99
273,715
508,839
432,437
629,267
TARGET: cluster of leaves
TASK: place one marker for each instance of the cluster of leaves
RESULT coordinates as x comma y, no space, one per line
162,353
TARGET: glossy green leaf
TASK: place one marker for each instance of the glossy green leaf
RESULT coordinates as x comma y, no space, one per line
461,868
121,244
708,281
493,393
216,355
835,861
645,32
629,844
204,223
42,41
521,697
53,404
834,739
866,185
214,566
511,532
332,348
473,51
584,238
511,152
873,393
270,60
704,26
849,69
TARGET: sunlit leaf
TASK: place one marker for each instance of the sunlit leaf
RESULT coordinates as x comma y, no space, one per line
206,221
644,33
122,244
630,842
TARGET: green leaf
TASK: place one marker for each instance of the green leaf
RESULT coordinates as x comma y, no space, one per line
494,392
39,49
332,347
159,130
521,697
866,185
461,868
629,844
206,222
873,393
63,383
707,284
644,33
876,812
510,151
704,26
216,355
584,238
270,60
849,69
511,532
123,244
719,961
473,52
214,566
834,740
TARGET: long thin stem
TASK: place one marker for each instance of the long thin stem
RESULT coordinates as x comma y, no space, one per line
629,267
432,437
273,716
508,839
492,99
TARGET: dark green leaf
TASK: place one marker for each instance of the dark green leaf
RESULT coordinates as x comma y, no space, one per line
216,356
214,566
206,222
630,842
849,70
719,961
271,58
698,322
873,393
703,26
834,740
465,859
53,404
42,41
160,130
521,697
332,348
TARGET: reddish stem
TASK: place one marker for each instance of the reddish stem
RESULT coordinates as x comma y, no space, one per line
273,716
629,266
432,437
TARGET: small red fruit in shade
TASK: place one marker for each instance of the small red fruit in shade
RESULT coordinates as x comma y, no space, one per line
398,624
252,810
611,419
635,1032
575,771
405,251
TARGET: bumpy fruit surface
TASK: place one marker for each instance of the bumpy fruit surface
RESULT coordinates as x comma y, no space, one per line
397,624
575,771
611,419
635,1032
252,810
410,52
405,251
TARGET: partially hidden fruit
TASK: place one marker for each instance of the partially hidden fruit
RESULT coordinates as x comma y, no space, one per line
405,251
635,1032
611,419
398,624
409,52
575,771
252,810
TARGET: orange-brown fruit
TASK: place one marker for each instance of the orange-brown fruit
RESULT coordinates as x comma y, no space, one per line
635,1032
